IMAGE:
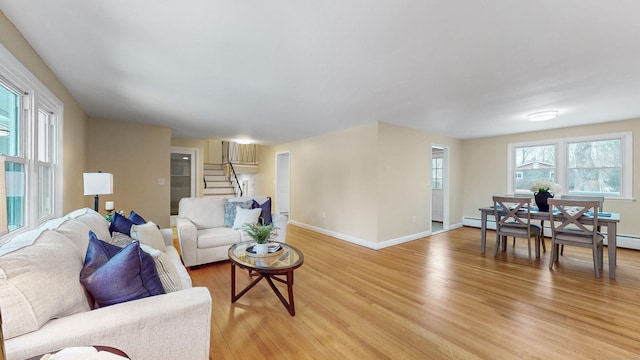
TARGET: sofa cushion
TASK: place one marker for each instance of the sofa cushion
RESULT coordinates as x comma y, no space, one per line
246,216
207,212
148,234
74,230
113,275
136,218
167,272
214,237
230,210
120,224
94,220
265,214
39,283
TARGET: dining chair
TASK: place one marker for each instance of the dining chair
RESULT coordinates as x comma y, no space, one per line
599,199
513,219
530,196
567,229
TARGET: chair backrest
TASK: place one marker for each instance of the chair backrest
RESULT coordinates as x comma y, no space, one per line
516,211
565,216
599,199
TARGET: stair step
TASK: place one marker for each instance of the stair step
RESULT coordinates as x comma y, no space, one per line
214,172
213,167
219,191
219,184
208,178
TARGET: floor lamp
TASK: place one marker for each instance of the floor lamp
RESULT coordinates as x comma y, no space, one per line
98,184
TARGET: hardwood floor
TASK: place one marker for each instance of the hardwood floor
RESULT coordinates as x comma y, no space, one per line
433,298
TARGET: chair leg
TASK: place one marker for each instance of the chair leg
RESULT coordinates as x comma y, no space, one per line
529,246
495,250
561,249
544,246
596,266
553,254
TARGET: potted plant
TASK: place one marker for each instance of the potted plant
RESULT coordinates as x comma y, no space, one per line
542,191
261,234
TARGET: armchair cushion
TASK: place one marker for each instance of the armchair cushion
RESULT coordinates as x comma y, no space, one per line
222,236
204,213
265,215
245,216
230,210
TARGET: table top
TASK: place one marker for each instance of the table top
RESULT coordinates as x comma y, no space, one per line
604,217
289,258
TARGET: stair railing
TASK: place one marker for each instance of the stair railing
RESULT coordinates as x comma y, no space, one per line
234,180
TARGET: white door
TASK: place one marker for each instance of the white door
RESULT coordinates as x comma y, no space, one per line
282,183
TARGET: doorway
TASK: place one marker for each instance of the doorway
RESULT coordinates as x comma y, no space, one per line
439,188
184,177
282,183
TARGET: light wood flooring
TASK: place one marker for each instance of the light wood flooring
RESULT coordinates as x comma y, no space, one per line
433,298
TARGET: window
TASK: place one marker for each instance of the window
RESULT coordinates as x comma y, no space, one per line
597,165
29,140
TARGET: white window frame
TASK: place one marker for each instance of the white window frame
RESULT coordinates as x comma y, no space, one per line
35,96
626,189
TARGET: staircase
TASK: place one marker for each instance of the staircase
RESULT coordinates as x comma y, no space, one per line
216,182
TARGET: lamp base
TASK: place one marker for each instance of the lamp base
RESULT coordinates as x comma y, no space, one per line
96,203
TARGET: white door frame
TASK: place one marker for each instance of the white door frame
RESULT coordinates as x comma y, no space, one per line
277,182
195,156
445,184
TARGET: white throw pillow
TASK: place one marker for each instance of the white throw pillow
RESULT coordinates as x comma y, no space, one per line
167,272
246,216
148,234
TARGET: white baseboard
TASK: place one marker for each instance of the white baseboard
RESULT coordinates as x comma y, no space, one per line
623,241
366,243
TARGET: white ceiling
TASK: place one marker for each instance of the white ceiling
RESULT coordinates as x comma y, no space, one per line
278,71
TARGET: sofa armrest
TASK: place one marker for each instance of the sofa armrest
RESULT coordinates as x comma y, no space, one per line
176,325
188,240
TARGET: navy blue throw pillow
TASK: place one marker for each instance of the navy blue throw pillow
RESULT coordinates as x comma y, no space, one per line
120,224
136,218
113,275
265,215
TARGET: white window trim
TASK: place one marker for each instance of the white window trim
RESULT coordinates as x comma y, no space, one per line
561,161
12,70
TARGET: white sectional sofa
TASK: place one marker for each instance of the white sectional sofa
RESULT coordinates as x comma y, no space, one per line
45,307
202,233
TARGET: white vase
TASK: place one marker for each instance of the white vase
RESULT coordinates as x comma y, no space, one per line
262,248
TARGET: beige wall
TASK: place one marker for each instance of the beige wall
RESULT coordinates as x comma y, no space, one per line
73,127
370,181
485,168
138,156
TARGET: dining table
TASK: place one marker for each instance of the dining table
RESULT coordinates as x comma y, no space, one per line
609,220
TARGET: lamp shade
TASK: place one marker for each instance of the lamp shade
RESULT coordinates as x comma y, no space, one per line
98,183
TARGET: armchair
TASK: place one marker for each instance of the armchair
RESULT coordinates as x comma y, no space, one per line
202,234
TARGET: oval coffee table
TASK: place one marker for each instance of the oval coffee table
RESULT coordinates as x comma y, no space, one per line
282,263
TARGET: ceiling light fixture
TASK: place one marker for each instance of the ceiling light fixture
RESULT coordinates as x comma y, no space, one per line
542,115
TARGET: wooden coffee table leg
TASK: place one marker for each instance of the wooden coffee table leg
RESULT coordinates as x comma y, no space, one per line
290,306
235,297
